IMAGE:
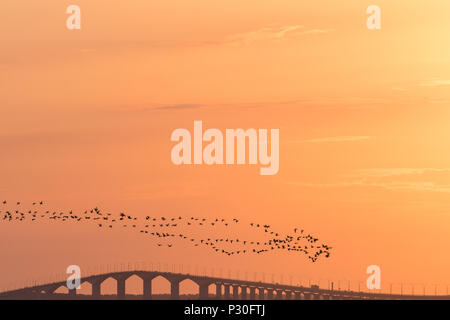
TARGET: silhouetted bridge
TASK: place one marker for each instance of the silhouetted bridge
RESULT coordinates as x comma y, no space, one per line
224,289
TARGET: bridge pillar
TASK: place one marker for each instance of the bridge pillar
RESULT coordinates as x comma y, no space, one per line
121,288
261,294
203,291
218,290
306,296
270,293
288,295
252,293
72,292
147,284
174,289
235,292
226,289
316,296
279,294
297,295
326,297
244,292
96,289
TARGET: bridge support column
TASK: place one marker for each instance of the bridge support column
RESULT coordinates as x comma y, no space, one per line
316,296
72,292
288,295
174,289
147,284
203,291
252,293
261,294
243,293
270,294
235,292
96,289
218,290
121,288
297,295
279,294
306,296
226,289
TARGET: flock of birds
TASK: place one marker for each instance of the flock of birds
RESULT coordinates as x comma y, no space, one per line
163,228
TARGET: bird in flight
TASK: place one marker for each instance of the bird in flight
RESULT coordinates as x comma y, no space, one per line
301,243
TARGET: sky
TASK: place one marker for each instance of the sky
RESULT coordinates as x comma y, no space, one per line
86,117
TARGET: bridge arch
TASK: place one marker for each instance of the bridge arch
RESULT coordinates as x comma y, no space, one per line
106,285
134,285
86,288
161,286
189,287
61,289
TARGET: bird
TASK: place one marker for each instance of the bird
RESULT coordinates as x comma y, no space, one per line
301,243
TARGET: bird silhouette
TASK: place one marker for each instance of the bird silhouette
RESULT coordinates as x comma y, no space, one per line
299,242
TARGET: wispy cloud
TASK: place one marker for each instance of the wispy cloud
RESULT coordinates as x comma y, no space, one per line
177,107
263,34
411,186
390,172
435,82
337,139
317,31
411,179
147,107
267,34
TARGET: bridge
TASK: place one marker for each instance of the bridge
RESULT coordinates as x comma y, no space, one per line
228,289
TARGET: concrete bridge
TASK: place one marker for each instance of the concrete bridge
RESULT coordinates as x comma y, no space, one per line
228,289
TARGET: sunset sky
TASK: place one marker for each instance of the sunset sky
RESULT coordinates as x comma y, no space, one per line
86,117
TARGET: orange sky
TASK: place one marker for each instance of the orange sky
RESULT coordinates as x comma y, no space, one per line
86,117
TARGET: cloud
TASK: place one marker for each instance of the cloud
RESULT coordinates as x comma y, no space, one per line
390,172
412,186
177,107
267,34
435,83
324,103
411,179
318,31
338,139
285,32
